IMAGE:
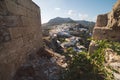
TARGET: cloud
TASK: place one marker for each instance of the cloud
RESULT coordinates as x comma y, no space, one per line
94,19
57,9
71,12
83,16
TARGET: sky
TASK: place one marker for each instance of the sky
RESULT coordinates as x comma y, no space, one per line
75,9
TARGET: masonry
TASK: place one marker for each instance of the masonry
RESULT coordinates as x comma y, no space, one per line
107,27
20,34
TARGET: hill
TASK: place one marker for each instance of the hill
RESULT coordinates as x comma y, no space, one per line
59,21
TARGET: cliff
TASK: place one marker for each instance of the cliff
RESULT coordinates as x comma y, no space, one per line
20,34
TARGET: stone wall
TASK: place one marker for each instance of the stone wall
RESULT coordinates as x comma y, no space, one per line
101,20
20,34
102,29
107,27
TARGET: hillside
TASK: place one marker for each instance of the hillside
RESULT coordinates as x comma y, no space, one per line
59,21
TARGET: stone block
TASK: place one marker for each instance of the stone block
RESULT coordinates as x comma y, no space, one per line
26,39
25,21
3,8
4,34
20,2
11,6
92,47
24,3
20,25
106,33
15,32
28,30
13,45
102,20
21,10
5,71
29,47
29,13
11,21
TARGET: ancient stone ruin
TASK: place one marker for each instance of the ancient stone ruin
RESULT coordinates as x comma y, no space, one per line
108,25
108,28
20,34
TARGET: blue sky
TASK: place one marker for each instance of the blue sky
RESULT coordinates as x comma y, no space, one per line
75,9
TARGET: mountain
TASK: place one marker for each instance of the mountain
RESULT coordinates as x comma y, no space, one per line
86,23
59,21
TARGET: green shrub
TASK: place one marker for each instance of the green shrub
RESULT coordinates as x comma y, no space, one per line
85,66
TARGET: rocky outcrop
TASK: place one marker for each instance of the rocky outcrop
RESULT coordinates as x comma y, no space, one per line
20,34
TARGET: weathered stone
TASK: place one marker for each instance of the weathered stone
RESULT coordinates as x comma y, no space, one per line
20,34
114,17
92,47
102,20
106,33
3,8
42,67
15,32
108,28
108,25
113,60
12,21
4,34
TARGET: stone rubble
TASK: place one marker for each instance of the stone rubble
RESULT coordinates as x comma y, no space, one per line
113,60
41,68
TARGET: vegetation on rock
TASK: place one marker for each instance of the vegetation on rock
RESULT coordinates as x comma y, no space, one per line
85,66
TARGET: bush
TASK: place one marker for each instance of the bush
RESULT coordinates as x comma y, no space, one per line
83,66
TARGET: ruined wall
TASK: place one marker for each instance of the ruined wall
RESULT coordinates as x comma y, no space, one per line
107,27
20,34
104,29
